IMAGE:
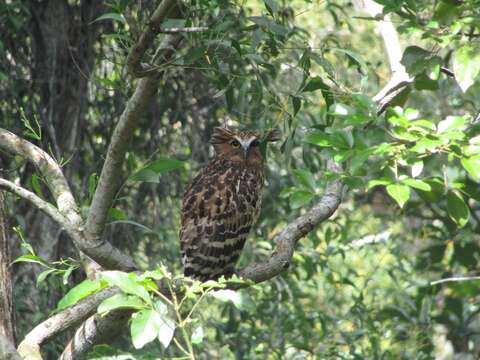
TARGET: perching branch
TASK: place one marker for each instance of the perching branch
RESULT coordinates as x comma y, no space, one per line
29,348
300,227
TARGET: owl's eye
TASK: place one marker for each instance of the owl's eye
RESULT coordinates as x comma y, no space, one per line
235,144
255,143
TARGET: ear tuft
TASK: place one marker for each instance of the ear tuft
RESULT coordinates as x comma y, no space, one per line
221,135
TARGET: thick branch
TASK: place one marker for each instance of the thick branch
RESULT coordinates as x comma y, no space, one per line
300,227
97,329
49,168
7,305
135,67
400,78
7,350
30,346
110,177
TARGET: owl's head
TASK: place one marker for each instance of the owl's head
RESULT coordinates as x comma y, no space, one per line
241,146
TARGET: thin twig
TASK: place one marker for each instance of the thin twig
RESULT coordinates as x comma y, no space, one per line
455,279
182,30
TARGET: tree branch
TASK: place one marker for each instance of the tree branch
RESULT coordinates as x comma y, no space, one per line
289,236
7,350
95,330
183,30
146,39
110,177
39,203
400,78
49,168
29,348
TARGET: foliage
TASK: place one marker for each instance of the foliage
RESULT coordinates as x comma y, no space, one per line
360,285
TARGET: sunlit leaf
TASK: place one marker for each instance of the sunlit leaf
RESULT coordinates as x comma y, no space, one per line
417,184
127,283
457,209
472,165
79,292
111,16
197,335
466,65
144,327
120,301
228,295
400,193
43,275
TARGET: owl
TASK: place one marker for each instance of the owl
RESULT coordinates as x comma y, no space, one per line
222,203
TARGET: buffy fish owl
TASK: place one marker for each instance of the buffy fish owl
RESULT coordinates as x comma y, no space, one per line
222,203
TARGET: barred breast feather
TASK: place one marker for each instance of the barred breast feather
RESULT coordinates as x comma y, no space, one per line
219,208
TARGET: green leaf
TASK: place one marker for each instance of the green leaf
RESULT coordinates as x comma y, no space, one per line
416,60
269,25
300,198
31,259
127,283
466,65
305,178
92,184
144,327
297,103
116,214
417,168
423,82
376,182
111,16
151,172
36,185
144,228
79,292
452,123
146,175
472,165
417,184
43,275
166,331
457,209
197,335
400,193
318,138
436,193
314,84
122,301
271,6
340,109
355,58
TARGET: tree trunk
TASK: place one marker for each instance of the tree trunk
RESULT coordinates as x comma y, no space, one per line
7,311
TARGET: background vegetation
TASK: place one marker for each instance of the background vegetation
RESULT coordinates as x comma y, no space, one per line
360,286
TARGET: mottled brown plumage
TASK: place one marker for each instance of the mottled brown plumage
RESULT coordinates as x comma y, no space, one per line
221,204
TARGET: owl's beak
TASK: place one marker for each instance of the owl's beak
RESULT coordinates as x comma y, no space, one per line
246,150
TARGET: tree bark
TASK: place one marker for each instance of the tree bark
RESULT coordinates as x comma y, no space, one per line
7,309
